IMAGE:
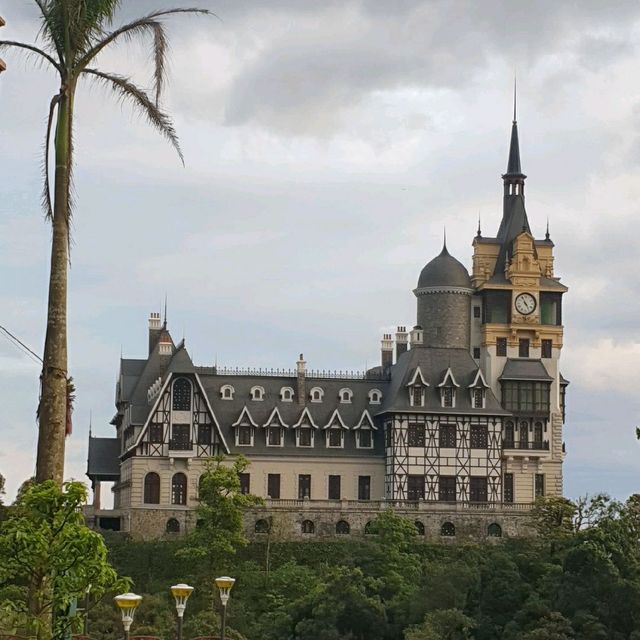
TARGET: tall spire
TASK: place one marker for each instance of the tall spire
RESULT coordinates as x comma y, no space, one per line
513,164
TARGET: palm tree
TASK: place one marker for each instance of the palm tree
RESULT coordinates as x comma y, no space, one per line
73,34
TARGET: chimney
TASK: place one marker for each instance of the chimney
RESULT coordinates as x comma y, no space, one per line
154,330
302,387
402,342
386,347
417,336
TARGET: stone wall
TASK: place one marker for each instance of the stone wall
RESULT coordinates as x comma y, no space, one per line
446,319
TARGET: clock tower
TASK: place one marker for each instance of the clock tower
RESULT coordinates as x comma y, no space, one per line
516,337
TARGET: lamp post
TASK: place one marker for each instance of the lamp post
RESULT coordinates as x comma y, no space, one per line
224,584
181,593
127,603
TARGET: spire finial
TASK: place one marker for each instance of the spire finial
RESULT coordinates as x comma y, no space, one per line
444,237
479,234
164,324
546,235
90,421
515,98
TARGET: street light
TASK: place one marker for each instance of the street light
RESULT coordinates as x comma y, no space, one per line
127,603
224,584
181,593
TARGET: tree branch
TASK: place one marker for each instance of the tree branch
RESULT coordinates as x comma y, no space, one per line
8,44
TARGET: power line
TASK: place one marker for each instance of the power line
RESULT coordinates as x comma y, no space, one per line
21,345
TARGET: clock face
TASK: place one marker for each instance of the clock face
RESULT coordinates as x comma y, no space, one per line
525,304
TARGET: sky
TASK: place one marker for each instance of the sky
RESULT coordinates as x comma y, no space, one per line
327,145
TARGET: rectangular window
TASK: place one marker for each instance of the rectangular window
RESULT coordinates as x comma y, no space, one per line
204,434
274,436
415,487
388,433
501,346
477,489
478,436
417,396
478,398
547,348
180,437
476,311
523,348
304,437
334,488
526,396
497,307
539,487
155,433
245,482
448,436
364,487
508,487
447,396
416,435
447,489
335,437
524,435
304,486
551,308
273,486
476,352
364,438
244,435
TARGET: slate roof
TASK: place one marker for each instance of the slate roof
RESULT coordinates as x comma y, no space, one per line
524,369
434,364
444,271
103,462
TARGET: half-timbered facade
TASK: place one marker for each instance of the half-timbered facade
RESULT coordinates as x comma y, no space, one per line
460,426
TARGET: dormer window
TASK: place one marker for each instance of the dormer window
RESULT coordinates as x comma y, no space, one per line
345,395
375,396
448,397
364,438
478,398
478,389
226,392
286,394
335,437
257,393
274,436
304,436
244,435
417,389
316,394
417,396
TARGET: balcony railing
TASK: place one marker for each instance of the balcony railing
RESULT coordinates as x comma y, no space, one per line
406,505
180,445
530,446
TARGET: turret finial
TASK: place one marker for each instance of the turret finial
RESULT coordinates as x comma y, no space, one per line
546,235
515,98
479,234
164,324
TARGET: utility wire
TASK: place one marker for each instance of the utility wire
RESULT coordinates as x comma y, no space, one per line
21,345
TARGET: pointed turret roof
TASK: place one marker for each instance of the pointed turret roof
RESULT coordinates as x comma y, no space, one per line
513,164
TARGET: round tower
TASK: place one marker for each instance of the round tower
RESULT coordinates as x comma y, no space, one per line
444,303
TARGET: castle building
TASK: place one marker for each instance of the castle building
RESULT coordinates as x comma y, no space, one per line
459,427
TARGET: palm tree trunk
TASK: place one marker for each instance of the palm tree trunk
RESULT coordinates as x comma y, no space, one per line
52,410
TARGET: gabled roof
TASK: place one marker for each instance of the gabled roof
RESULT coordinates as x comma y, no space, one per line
245,415
448,376
479,380
305,418
335,417
365,417
417,375
275,414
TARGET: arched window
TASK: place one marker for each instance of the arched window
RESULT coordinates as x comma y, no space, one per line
179,489
375,396
308,526
495,530
509,434
370,528
257,393
152,488
419,528
342,527
173,526
286,394
262,526
226,392
524,435
448,530
182,395
316,394
345,395
537,434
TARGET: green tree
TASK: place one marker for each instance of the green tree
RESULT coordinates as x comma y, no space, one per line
444,624
2,482
220,529
73,34
45,543
554,627
553,518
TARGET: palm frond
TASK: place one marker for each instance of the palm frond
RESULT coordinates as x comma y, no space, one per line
11,44
126,90
148,23
46,190
50,29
